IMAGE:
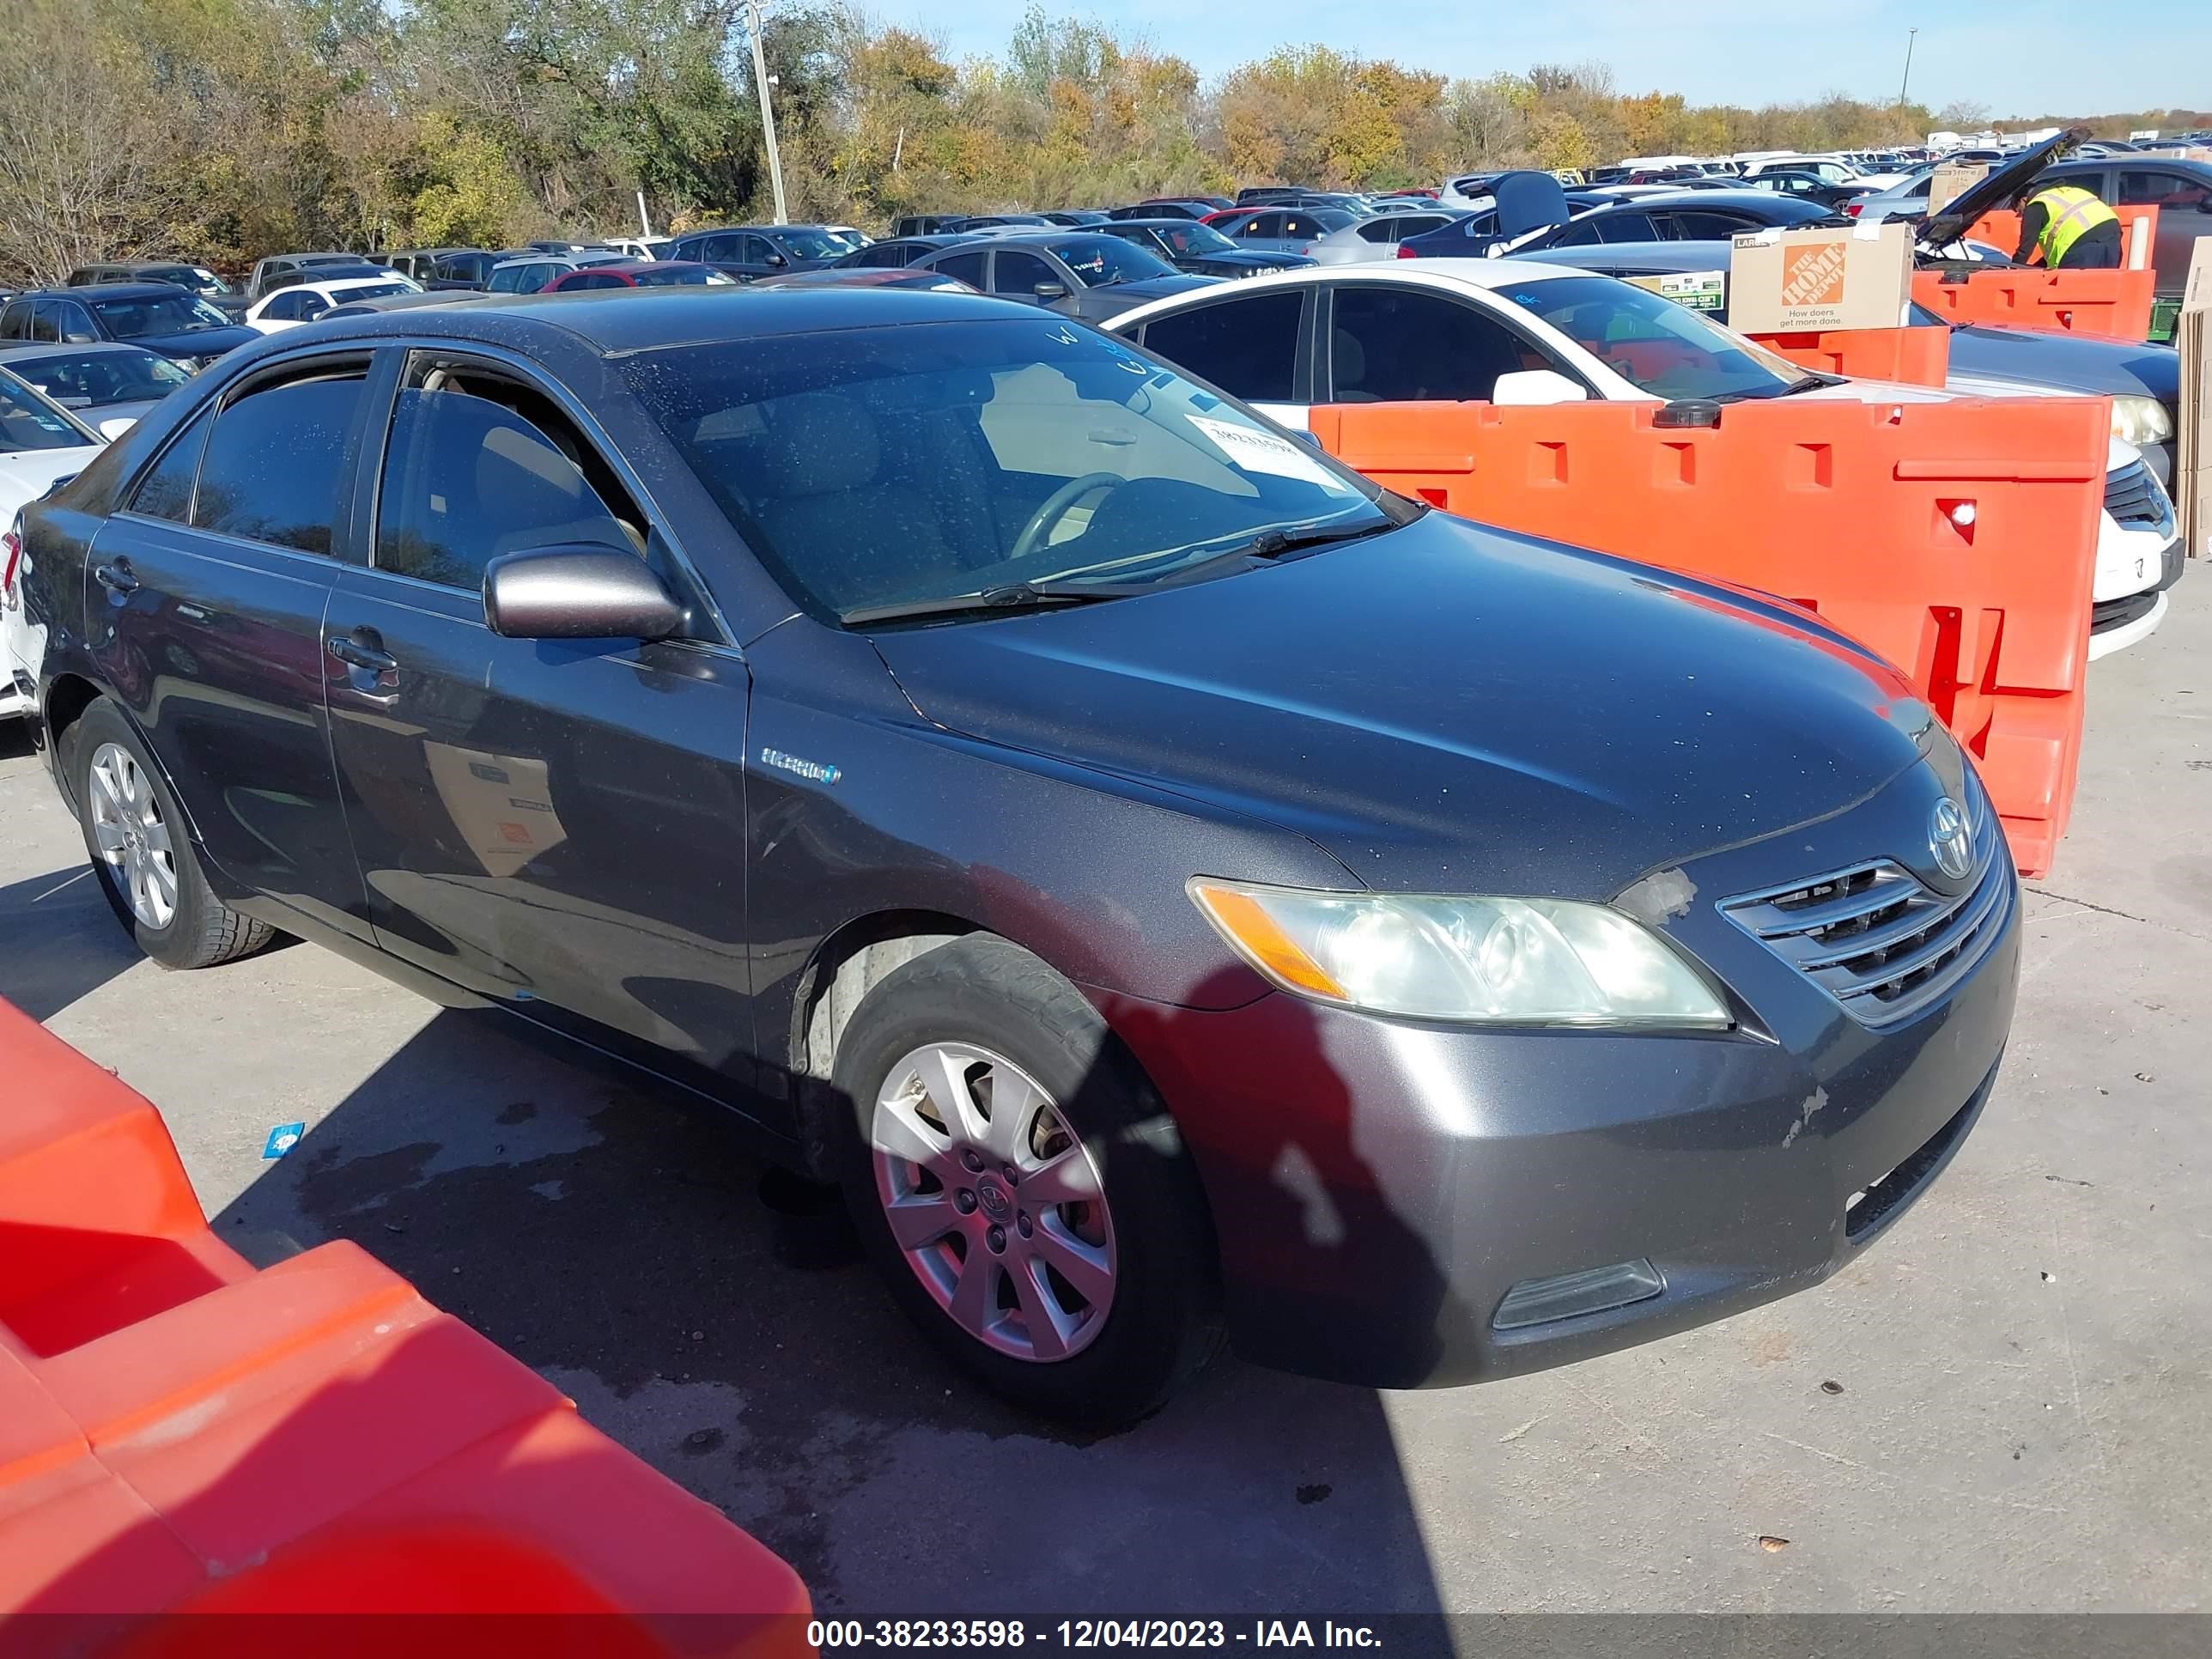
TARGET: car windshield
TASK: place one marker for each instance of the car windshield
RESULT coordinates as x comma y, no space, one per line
93,379
878,467
1102,261
810,244
137,318
1194,238
1657,345
376,290
29,421
195,278
1331,218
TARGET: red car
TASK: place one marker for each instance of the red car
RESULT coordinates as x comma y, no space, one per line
641,273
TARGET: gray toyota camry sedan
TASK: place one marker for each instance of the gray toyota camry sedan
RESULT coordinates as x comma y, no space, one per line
1179,889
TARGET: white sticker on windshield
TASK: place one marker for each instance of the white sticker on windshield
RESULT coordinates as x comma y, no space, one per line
1263,452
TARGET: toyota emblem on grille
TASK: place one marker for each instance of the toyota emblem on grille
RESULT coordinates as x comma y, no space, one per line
1948,840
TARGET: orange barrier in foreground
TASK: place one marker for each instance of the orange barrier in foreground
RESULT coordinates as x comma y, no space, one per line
2112,305
180,1434
1915,356
1956,539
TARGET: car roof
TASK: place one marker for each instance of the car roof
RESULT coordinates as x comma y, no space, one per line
681,316
1424,273
1702,198
103,291
42,348
1655,256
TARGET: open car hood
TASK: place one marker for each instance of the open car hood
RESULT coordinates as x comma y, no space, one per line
1998,189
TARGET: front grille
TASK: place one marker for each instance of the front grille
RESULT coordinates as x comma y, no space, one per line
1878,938
2132,496
2108,614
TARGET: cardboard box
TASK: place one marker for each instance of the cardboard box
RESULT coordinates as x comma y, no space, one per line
1698,290
1952,180
2192,436
1796,282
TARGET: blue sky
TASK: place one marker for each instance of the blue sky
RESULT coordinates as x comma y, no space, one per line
2016,58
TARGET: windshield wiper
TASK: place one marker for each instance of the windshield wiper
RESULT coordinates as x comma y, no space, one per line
1011,596
1808,383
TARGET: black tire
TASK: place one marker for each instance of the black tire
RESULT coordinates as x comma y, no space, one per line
203,931
1163,1322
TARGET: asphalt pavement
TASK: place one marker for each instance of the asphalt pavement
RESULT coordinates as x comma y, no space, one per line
2002,1405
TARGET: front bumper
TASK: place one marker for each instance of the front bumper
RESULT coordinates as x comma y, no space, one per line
1378,1187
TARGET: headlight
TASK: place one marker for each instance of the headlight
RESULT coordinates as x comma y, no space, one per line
2140,421
1494,960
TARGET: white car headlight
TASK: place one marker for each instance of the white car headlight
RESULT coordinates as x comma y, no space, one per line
1492,961
2140,421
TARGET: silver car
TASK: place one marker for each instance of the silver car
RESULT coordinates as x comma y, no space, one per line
1378,237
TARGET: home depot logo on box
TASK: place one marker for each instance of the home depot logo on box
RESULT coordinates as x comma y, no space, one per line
1785,282
1815,276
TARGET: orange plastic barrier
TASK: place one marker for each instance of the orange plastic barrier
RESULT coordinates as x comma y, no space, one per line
1915,356
1956,539
180,1434
2112,305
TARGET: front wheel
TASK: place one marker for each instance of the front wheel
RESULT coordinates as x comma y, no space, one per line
1022,1189
142,854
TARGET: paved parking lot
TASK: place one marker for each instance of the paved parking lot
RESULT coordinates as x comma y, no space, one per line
2003,1405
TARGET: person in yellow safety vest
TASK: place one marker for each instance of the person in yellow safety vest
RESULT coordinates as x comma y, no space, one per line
2073,228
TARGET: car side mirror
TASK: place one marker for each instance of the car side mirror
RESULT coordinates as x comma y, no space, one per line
776,259
1532,388
577,591
1047,291
116,425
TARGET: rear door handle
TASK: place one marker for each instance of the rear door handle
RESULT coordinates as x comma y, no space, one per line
355,654
115,578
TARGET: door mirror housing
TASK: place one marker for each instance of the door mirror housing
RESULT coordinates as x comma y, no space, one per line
1047,291
1531,388
577,591
776,259
116,425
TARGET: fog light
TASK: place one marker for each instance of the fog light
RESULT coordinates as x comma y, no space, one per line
1538,1301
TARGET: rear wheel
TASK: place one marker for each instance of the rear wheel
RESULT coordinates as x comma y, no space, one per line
142,852
1022,1189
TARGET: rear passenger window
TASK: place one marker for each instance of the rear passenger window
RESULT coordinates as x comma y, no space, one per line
274,461
15,321
167,491
480,465
1248,348
968,267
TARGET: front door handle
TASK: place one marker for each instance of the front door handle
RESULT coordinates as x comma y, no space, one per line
352,653
115,578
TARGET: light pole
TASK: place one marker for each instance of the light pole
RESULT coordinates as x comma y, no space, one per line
767,113
1909,36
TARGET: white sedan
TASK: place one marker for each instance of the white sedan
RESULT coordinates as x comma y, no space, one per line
302,302
41,443
1524,332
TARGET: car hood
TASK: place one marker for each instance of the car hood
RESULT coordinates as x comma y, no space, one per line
2065,363
1999,187
197,342
27,474
1112,299
1445,707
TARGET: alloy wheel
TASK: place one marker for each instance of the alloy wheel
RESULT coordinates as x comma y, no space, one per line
993,1200
131,835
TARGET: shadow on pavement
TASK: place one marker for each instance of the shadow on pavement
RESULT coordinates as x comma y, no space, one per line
59,941
617,1242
